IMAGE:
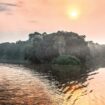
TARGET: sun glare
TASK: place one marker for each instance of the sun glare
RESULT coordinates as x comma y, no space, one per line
74,14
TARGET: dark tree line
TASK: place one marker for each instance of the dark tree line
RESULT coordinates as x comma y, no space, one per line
45,48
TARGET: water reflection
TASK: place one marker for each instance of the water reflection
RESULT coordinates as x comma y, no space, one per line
51,85
72,81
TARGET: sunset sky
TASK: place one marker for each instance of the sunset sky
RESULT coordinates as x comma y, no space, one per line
20,17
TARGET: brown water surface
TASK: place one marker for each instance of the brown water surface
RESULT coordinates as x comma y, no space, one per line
23,86
20,86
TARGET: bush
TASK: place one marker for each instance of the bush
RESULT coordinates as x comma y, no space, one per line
66,60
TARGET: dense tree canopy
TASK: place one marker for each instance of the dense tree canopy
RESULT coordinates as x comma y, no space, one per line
44,48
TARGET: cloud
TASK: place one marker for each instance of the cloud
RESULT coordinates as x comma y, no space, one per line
3,8
33,21
7,6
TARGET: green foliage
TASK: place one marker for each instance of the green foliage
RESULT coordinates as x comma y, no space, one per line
12,51
66,60
65,47
30,54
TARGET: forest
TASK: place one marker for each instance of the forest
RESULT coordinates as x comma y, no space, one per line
63,48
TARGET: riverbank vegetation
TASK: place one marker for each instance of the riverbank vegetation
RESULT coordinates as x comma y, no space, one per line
60,48
66,60
65,56
45,48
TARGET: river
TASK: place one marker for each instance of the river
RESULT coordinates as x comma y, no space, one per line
93,93
23,86
20,86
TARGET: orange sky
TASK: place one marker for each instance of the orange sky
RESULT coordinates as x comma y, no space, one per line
20,17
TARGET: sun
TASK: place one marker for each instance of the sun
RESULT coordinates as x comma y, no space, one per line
74,14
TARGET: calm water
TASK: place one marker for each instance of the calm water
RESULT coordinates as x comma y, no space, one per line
20,86
23,86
